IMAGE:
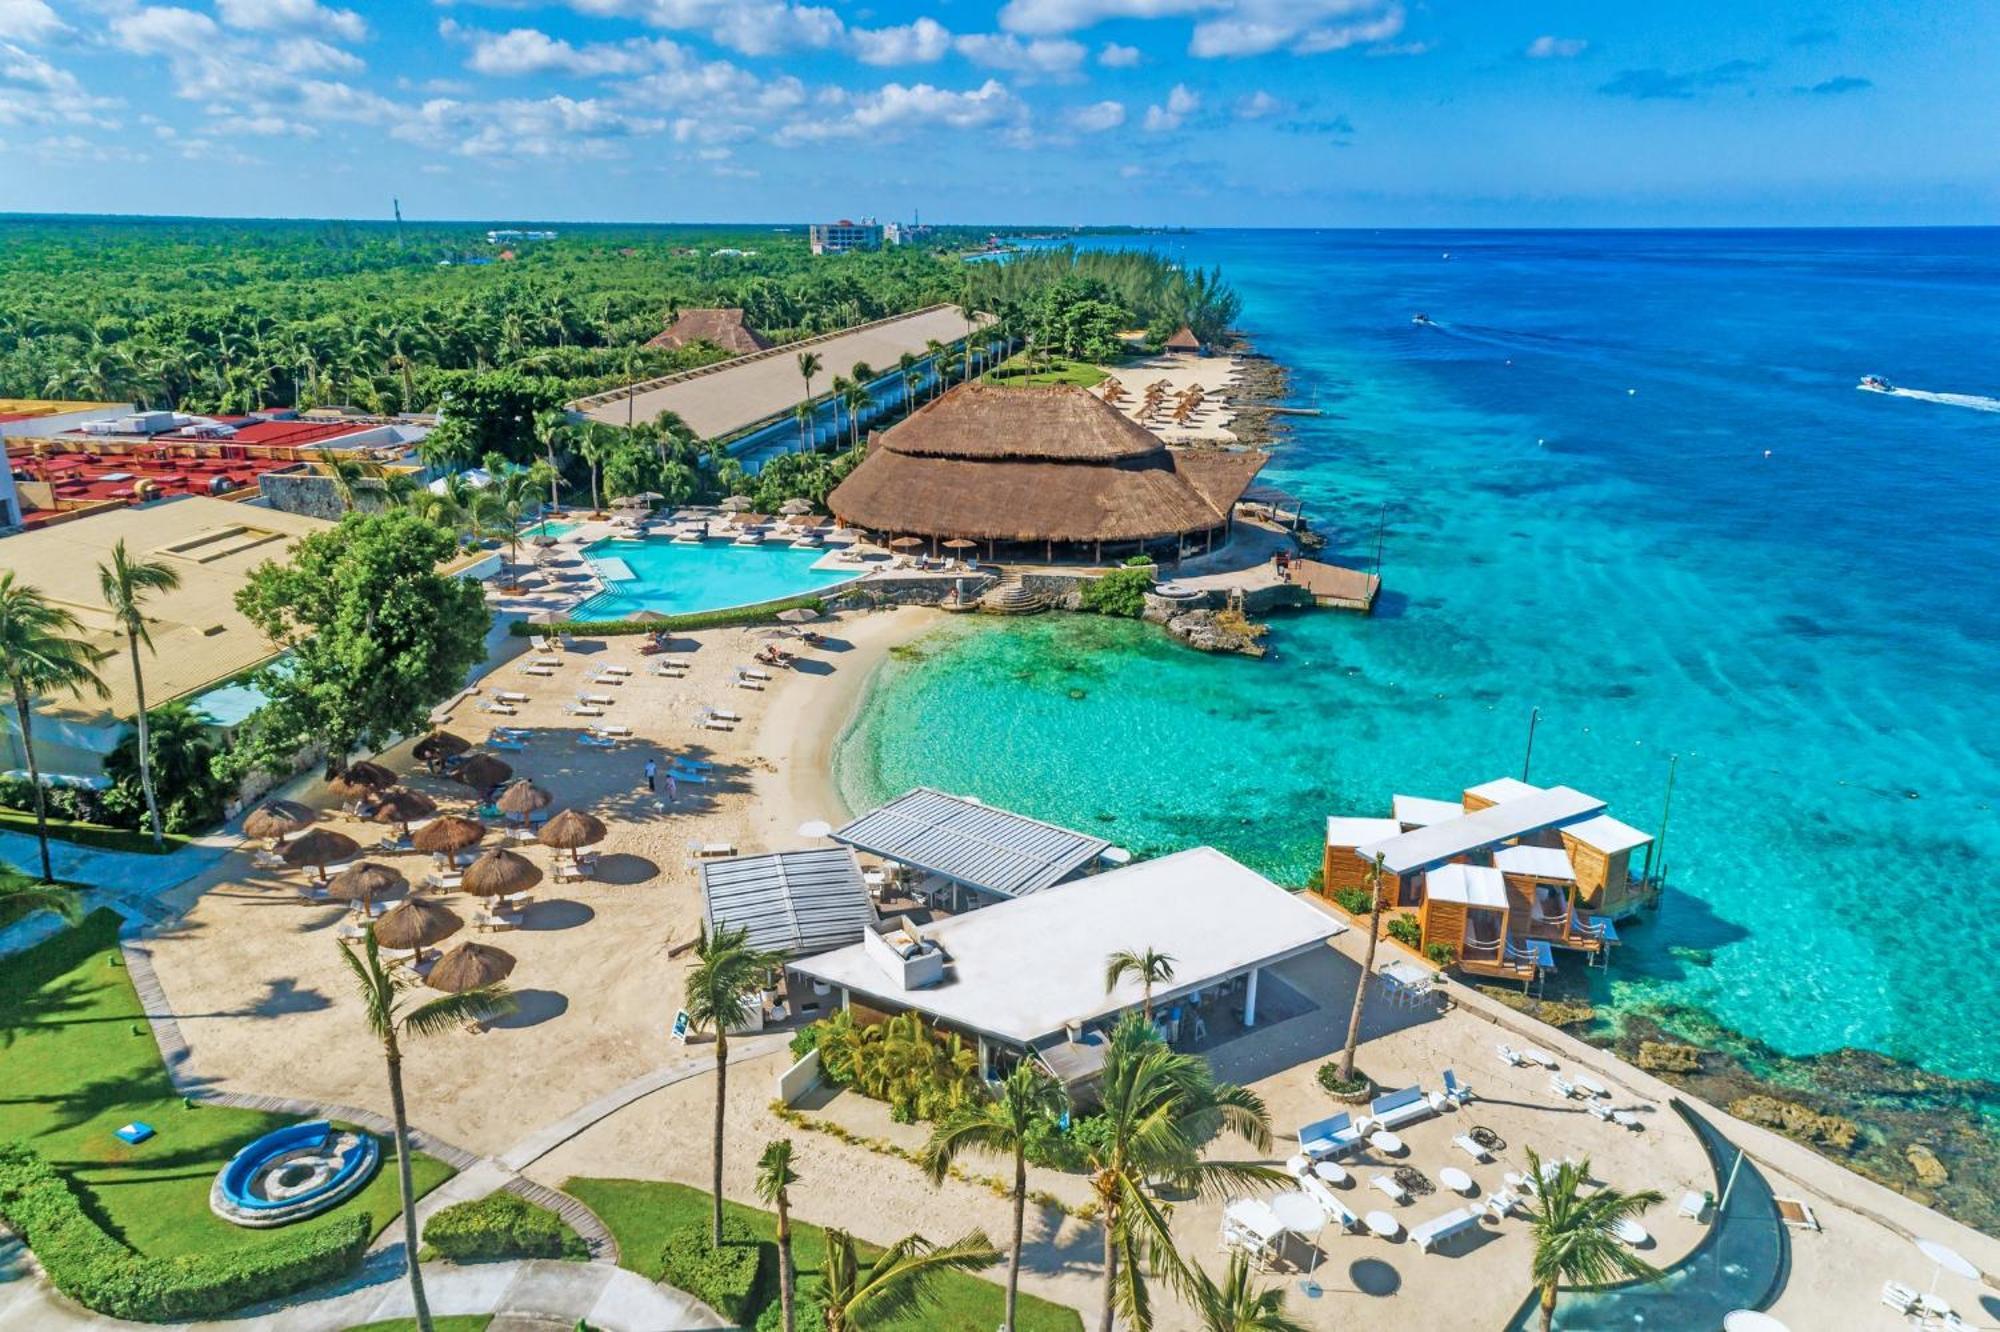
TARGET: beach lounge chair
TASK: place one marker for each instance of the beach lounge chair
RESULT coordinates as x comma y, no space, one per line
749,674
1336,1211
614,729
1441,1228
313,894
269,860
596,700
1626,1119
723,714
691,764
1536,1054
1795,1213
543,671
1598,1110
1401,1107
596,741
501,709
510,696
1509,1055
1561,1086
1502,1202
607,678
582,710
683,776
1387,1186
1455,1091
614,670
1900,1297
716,724
1590,1086
1334,1136
1693,1205
1467,1144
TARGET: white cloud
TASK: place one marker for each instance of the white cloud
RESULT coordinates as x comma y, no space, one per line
1114,56
1097,117
29,21
1181,103
1258,105
521,51
917,43
895,109
753,27
1556,48
293,16
1048,57
1054,16
524,127
300,55
34,91
1308,27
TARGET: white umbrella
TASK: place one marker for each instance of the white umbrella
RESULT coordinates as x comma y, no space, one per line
1749,1320
1298,1213
815,828
1946,1259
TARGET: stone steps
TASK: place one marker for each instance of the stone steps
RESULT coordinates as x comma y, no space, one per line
1010,596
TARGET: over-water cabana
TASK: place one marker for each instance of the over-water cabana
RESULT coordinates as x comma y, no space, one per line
1028,975
1048,472
957,843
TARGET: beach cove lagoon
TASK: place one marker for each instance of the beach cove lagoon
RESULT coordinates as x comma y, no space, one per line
1628,480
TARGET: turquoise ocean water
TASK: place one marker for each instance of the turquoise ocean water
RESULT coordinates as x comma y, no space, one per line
1629,480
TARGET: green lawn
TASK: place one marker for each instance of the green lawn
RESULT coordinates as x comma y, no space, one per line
641,1213
77,1061
94,835
448,1323
1013,373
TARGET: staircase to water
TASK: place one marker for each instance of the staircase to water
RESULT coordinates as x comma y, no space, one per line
1010,596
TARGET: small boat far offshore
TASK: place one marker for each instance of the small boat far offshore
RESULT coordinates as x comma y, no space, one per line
1875,384
1422,320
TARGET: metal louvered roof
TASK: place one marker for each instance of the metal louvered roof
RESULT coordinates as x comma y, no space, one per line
993,850
791,902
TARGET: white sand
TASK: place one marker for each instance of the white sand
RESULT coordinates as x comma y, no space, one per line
1217,376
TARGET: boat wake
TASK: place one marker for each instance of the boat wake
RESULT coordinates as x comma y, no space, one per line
1968,400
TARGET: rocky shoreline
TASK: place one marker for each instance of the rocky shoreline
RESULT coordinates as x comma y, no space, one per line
1263,386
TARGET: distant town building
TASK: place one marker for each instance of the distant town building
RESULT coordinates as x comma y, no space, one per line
21,417
842,236
510,237
723,327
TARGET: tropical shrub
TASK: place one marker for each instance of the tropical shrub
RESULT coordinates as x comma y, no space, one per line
184,773
92,1267
1122,592
921,1074
1440,954
1406,931
808,1311
1354,901
1056,1148
501,1225
805,1040
726,1278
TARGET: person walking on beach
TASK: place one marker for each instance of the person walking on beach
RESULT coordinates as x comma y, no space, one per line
652,775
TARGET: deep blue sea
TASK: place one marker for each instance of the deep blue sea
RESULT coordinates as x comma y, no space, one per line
1628,479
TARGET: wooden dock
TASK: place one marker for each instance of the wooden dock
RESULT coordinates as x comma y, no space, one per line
1333,586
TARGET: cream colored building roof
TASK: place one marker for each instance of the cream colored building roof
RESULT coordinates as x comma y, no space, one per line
199,637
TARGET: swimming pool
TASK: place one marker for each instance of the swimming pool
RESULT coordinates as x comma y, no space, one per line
676,579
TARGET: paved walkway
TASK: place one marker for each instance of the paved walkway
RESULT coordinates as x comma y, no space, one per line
607,1297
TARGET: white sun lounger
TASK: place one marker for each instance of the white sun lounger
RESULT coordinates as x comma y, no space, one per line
723,714
510,696
1464,1142
614,670
1561,1086
1509,1055
580,710
1502,1202
1540,1056
1590,1086
540,671
1441,1228
596,700
607,678
744,682
1626,1119
1387,1186
500,709
749,673
596,741
716,724
612,729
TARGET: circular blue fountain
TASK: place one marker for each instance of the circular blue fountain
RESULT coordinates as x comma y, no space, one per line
292,1173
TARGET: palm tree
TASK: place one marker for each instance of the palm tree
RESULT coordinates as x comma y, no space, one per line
809,365
803,414
838,397
1238,1306
774,1182
347,474
1576,1242
727,972
935,351
1149,968
20,899
898,1282
1367,970
906,366
382,1000
1161,1108
40,655
551,428
1001,1126
180,753
125,584
971,318
597,447
857,398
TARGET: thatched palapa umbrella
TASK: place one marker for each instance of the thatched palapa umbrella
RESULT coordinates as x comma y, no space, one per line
320,847
402,806
736,504
438,746
448,835
358,779
523,798
499,873
416,924
366,881
276,820
469,967
483,772
796,507
571,831
906,543
798,615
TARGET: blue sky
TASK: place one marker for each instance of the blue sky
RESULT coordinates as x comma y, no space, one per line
1196,112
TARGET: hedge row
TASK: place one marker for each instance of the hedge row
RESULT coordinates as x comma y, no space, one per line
97,1271
501,1225
725,1279
761,613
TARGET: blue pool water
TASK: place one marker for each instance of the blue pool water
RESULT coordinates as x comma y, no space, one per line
676,579
1629,480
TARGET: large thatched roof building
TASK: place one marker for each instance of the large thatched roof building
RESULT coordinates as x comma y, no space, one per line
723,327
1043,466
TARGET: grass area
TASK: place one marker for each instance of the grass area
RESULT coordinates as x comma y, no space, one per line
93,835
1014,372
448,1323
641,1214
78,1060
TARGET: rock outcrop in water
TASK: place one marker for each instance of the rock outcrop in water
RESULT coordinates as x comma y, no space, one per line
1217,631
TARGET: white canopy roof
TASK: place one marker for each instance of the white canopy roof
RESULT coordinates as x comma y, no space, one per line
1472,885
790,901
1019,970
1422,811
994,850
1607,834
1489,827
1502,789
1540,862
1359,832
